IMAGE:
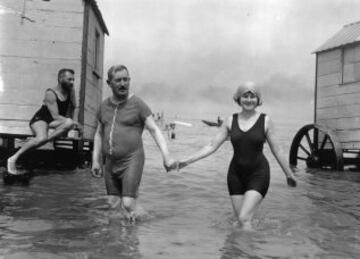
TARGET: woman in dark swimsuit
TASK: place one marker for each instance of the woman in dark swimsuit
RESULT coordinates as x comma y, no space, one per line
55,113
249,174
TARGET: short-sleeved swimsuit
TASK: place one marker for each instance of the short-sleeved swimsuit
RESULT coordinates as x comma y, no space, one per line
43,114
122,127
249,168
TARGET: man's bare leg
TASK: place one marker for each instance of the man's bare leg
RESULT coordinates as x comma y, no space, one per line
60,126
40,130
129,205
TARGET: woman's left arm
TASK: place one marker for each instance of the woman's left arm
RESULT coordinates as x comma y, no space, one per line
277,152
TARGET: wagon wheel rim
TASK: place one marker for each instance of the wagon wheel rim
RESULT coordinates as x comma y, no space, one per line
317,147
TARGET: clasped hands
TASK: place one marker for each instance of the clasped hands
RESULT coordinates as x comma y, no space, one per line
171,164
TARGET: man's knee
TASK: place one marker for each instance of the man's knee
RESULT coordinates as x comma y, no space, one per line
128,203
69,123
39,140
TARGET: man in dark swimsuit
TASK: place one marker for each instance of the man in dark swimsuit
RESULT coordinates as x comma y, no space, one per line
118,138
56,113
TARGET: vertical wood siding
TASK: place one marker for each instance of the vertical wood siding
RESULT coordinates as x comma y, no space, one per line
94,78
338,105
34,48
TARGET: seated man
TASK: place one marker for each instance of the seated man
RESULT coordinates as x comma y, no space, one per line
56,113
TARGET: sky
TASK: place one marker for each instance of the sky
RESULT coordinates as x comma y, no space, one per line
187,58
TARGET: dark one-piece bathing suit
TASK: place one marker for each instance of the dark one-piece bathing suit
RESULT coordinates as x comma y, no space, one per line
43,114
249,168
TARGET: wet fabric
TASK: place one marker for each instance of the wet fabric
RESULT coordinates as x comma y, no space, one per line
122,127
43,114
123,176
249,168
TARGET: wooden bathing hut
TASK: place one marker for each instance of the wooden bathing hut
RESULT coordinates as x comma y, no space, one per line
333,140
37,38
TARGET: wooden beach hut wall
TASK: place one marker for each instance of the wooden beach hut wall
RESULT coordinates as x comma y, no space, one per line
39,37
337,85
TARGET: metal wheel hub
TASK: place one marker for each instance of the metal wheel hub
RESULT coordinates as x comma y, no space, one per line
313,161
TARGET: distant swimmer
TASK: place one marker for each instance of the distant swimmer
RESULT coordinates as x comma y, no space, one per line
172,130
219,121
56,113
118,139
249,173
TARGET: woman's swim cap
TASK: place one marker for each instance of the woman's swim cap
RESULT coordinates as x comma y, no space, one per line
247,87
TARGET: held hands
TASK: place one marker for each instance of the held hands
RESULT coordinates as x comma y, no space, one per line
181,164
169,164
175,165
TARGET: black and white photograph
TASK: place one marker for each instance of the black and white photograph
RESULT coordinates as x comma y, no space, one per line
166,129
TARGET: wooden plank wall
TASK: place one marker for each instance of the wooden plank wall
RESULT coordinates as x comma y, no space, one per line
94,79
338,105
32,50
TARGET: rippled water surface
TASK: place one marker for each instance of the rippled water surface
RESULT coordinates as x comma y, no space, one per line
64,214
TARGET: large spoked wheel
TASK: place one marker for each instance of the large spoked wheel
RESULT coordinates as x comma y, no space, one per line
316,146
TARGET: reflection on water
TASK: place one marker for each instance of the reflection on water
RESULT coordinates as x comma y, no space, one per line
189,215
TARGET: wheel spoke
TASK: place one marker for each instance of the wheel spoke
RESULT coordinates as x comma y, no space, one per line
309,140
324,142
316,139
321,150
304,149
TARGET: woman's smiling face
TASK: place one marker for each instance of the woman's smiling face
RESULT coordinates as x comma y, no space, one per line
249,101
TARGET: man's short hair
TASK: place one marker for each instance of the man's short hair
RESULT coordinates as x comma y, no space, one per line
62,72
112,70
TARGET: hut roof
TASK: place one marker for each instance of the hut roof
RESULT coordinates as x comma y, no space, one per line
350,33
98,14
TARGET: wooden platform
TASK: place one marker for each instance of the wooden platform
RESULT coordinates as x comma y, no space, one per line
63,152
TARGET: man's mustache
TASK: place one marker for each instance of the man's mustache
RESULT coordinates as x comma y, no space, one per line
121,87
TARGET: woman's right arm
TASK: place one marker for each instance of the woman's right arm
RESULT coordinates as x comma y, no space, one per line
210,148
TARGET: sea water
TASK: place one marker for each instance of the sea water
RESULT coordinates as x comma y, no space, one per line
186,214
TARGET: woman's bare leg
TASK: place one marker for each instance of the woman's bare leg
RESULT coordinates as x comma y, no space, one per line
251,202
236,202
